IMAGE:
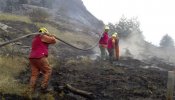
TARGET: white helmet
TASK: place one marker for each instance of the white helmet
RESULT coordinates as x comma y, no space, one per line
106,27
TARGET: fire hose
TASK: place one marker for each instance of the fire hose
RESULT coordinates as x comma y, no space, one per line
24,36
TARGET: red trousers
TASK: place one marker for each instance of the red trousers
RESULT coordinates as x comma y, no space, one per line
40,65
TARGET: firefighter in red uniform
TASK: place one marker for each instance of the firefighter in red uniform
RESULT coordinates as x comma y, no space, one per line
38,59
113,47
103,43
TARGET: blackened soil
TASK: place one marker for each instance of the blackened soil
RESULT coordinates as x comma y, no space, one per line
123,80
111,82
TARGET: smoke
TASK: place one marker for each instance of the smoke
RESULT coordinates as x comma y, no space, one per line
132,46
135,46
74,12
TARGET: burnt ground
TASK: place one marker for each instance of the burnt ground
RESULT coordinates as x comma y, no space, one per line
123,80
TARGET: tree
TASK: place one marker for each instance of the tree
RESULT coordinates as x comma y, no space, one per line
167,42
126,27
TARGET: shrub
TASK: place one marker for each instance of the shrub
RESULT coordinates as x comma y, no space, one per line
38,15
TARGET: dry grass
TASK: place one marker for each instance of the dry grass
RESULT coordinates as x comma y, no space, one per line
80,40
12,17
38,15
76,39
71,62
27,30
10,68
83,60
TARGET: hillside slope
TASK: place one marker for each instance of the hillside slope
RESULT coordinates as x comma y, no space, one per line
70,11
127,79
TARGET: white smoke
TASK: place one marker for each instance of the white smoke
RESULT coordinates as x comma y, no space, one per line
132,46
135,46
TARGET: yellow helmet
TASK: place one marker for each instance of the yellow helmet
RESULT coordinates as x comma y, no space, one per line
43,30
114,34
106,27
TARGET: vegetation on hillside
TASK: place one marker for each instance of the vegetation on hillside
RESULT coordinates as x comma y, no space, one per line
10,69
126,27
13,17
167,42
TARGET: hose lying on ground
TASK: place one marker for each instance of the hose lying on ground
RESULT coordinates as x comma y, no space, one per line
24,36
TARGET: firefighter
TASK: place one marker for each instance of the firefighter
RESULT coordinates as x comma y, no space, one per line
103,43
113,47
39,59
117,56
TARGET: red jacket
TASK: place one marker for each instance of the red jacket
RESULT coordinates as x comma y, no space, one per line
40,45
112,43
104,39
